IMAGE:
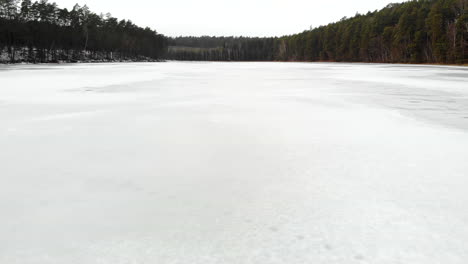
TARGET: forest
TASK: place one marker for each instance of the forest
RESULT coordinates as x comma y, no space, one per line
417,31
221,49
42,32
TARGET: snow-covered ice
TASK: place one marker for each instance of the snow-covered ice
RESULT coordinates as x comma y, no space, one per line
190,163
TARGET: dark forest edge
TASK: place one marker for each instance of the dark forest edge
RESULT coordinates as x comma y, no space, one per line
418,31
42,32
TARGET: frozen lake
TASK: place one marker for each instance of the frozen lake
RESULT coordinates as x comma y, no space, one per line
212,163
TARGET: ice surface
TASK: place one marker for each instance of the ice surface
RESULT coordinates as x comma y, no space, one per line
233,163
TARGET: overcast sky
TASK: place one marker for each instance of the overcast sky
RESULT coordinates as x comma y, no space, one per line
233,17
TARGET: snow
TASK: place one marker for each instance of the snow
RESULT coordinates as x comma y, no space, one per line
233,163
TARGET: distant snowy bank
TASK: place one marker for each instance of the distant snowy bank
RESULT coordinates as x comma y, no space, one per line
33,55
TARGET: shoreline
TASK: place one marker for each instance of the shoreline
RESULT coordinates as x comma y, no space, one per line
167,60
80,62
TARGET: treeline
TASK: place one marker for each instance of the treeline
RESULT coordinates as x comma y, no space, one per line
418,31
221,49
42,32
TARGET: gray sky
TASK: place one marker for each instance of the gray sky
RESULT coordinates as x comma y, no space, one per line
233,17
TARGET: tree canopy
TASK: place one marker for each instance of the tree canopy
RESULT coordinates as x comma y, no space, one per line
42,32
418,31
